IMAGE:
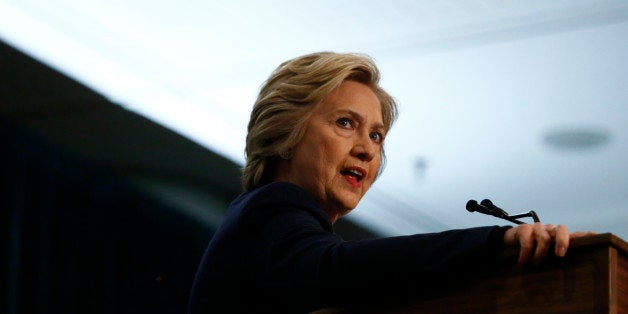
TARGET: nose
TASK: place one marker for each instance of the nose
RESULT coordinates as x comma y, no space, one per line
364,148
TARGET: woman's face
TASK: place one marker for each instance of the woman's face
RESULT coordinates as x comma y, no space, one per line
339,155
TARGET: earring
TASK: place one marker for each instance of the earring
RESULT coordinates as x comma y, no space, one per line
287,154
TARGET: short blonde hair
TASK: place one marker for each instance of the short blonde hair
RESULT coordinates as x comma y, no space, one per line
286,99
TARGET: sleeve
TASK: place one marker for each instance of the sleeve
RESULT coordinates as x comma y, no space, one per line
298,253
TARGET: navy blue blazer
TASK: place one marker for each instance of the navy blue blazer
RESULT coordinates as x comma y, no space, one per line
276,251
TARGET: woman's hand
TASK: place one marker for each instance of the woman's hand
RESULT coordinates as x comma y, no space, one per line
535,240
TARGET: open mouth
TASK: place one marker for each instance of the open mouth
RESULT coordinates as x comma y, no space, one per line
353,175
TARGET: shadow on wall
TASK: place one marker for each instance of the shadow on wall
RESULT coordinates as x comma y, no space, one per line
80,240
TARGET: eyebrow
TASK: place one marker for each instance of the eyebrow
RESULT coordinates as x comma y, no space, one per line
360,118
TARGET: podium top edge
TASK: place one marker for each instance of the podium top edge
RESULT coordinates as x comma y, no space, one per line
601,239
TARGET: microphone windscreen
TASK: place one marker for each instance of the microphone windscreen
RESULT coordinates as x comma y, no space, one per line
472,205
488,203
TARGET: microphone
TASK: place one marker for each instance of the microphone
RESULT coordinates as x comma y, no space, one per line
488,208
496,210
473,206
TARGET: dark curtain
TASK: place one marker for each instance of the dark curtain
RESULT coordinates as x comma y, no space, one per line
77,239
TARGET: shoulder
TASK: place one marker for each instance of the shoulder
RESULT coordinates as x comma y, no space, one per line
279,198
276,193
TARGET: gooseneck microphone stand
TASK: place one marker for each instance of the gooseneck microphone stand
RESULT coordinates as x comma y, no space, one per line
487,207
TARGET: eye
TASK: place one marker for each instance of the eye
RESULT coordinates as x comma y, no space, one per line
344,122
377,137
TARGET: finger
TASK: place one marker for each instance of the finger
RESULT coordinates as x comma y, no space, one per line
551,229
579,234
526,243
561,240
543,242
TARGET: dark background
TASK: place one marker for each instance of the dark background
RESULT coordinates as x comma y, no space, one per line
103,211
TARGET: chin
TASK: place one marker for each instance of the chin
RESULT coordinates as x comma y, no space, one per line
347,207
340,207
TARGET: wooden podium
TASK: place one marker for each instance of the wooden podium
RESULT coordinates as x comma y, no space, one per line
591,278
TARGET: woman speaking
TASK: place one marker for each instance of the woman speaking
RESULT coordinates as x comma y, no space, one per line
315,145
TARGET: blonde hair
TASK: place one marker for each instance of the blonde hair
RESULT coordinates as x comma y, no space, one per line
286,99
